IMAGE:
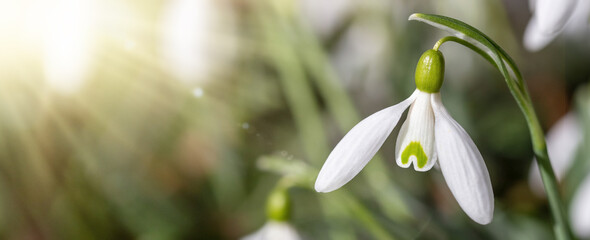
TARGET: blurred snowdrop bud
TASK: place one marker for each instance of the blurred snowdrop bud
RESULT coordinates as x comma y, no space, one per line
278,210
580,210
550,17
68,43
278,205
274,230
562,141
196,38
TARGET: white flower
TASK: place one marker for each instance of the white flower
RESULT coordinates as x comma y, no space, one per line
580,209
428,134
274,230
562,141
550,17
197,39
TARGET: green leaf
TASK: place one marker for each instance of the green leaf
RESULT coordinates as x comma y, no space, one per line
294,172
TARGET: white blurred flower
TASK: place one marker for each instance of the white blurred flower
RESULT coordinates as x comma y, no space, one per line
562,141
549,19
187,27
197,39
580,210
428,134
274,230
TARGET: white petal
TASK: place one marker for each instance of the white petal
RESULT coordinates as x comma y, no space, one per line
534,39
563,139
359,146
415,143
548,20
578,25
274,230
553,14
254,236
580,210
462,166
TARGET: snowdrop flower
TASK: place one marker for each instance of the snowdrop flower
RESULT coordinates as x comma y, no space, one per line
274,230
278,209
549,19
429,134
563,140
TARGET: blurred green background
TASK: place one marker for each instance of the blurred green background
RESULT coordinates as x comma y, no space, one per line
129,119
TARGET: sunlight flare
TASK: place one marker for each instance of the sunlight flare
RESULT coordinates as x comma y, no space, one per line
68,42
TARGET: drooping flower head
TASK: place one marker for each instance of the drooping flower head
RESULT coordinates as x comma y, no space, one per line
429,134
274,230
278,209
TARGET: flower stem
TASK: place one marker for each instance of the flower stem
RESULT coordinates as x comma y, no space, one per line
521,96
561,226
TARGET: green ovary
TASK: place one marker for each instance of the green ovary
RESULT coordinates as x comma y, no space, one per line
415,148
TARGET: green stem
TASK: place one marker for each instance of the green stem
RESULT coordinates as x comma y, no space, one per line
561,227
519,92
464,43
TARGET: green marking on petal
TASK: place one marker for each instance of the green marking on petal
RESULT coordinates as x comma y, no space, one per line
415,148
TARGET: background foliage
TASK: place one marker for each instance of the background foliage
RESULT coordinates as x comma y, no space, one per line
179,117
